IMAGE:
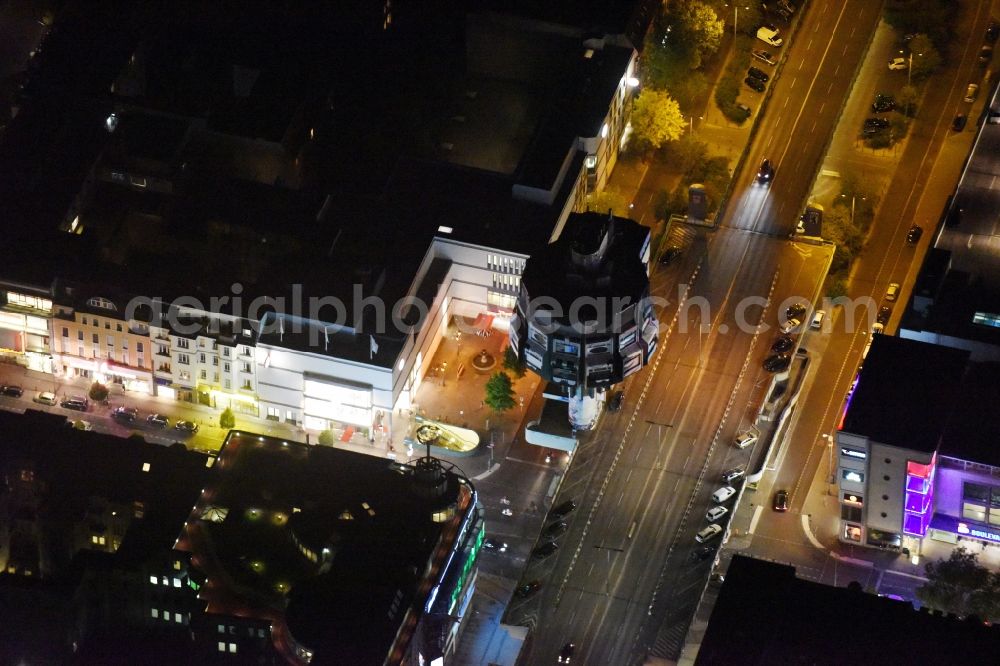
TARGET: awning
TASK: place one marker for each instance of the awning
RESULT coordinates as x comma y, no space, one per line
483,322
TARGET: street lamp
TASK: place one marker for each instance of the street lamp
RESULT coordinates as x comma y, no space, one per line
854,199
736,15
691,122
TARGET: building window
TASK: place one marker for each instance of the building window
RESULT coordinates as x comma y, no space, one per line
84,321
65,332
183,359
852,476
203,374
177,618
273,413
124,343
225,352
185,376
107,325
138,347
97,339
183,343
201,358
222,646
111,340
153,580
225,367
245,367
79,336
118,327
232,648
228,384
247,386
154,613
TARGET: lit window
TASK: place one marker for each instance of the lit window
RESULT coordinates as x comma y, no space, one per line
145,467
222,628
177,582
232,648
152,579
177,618
222,646
155,613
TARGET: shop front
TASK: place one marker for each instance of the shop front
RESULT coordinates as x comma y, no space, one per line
330,404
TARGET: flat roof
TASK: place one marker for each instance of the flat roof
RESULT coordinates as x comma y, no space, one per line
905,393
600,17
344,539
765,615
973,431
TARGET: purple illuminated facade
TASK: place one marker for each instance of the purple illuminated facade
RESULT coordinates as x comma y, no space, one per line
919,498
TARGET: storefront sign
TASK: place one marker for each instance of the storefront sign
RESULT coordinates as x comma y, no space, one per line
851,453
978,532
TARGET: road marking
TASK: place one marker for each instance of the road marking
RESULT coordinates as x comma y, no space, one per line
809,535
756,517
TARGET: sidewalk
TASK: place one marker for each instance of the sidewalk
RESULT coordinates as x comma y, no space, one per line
484,640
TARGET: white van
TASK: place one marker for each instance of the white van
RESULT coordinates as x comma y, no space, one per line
723,494
769,37
716,512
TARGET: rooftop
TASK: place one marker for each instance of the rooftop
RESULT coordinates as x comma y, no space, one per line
765,615
344,539
973,430
905,393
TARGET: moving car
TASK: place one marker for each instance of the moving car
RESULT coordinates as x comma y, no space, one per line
745,439
755,73
615,401
883,103
723,494
817,322
782,344
781,500
545,550
883,316
566,653
914,234
754,84
75,402
765,174
708,533
897,64
669,255
495,544
157,420
763,56
777,363
563,509
46,398
790,325
733,475
555,529
186,426
715,513
12,391
528,589
958,124
769,36
971,93
127,414
892,292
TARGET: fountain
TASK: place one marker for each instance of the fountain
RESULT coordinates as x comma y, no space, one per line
483,362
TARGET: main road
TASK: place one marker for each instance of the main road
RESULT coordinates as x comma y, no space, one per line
623,584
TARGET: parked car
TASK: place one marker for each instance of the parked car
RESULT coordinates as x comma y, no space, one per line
703,553
615,401
495,545
958,123
777,362
790,325
781,500
544,551
874,125
75,402
528,589
877,329
992,32
914,234
46,398
11,391
745,439
817,322
745,110
795,311
883,103
754,84
723,494
566,653
769,35
892,292
715,513
708,533
563,509
897,64
670,254
186,426
883,316
787,6
763,56
755,73
733,474
985,55
157,420
971,93
765,173
127,414
80,424
782,344
555,529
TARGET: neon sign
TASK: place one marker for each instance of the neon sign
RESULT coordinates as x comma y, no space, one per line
963,528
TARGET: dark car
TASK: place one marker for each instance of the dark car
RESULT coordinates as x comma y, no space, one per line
958,123
496,545
157,420
765,174
11,391
876,123
782,345
754,84
914,234
186,426
992,32
795,311
563,509
528,589
780,500
669,255
566,653
555,529
615,401
704,553
755,73
883,315
777,363
545,550
985,55
127,414
883,103
77,403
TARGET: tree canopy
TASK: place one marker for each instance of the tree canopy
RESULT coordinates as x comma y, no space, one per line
962,586
656,119
499,392
926,58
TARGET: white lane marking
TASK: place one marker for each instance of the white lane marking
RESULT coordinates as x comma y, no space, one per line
809,535
756,517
